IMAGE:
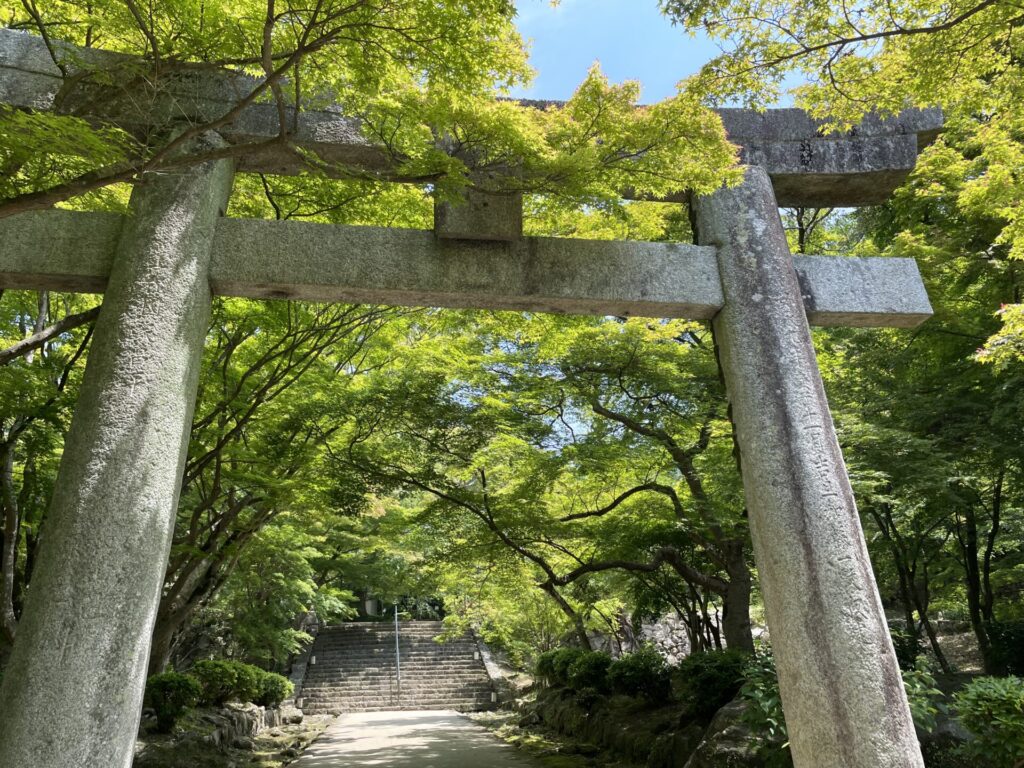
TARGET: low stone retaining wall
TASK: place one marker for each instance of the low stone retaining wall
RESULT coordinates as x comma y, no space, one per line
237,725
653,737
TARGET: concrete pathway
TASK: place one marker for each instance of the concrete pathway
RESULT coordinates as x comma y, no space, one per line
410,740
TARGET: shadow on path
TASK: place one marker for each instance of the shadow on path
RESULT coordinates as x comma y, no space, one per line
408,739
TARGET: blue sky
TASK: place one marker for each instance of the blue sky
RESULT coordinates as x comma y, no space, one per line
630,38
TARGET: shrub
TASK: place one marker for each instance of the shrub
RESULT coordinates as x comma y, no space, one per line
907,644
564,658
248,681
170,694
643,673
764,708
924,697
587,698
946,752
545,667
222,681
992,708
1006,640
217,680
712,679
590,670
274,689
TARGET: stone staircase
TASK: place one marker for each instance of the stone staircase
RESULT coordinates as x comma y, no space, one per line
354,670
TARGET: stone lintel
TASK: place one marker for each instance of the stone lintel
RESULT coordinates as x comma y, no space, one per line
790,124
71,251
807,167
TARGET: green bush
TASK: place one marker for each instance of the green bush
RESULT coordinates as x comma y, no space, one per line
590,670
564,658
248,681
545,667
643,673
924,697
764,709
1006,640
223,681
992,708
712,679
946,752
587,698
170,694
217,680
274,689
907,644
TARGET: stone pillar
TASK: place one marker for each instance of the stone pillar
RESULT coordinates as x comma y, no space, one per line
841,687
72,692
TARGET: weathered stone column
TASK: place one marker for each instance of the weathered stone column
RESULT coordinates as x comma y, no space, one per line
841,687
72,691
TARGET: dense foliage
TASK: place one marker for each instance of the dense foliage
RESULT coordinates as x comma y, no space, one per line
222,681
641,673
710,680
170,694
212,683
590,671
764,715
410,70
856,58
993,710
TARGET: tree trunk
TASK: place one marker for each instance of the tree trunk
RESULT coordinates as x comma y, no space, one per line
736,601
972,583
163,644
9,543
988,596
922,612
572,613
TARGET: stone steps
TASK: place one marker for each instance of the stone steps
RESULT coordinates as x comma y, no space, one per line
354,670
409,679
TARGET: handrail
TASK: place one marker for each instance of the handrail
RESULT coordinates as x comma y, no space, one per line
398,660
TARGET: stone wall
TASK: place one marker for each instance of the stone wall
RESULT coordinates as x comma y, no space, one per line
643,735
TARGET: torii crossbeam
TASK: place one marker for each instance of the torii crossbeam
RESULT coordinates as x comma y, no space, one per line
73,689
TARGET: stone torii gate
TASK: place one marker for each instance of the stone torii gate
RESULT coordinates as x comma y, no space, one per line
72,691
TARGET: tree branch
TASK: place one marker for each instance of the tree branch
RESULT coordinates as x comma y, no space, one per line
37,340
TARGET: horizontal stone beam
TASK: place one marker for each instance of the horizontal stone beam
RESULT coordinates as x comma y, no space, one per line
807,167
72,251
812,169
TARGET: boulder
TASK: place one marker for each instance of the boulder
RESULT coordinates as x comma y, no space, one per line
728,741
673,749
234,724
286,714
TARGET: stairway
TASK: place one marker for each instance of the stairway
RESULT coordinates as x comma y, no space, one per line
354,670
